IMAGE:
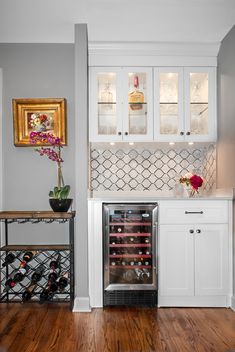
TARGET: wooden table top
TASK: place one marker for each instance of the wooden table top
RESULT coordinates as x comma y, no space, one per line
35,214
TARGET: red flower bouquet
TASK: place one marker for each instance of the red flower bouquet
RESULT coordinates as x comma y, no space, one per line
192,180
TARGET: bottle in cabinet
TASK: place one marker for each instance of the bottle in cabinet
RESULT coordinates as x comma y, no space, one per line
136,97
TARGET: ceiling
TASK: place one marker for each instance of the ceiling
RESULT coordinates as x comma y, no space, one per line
52,21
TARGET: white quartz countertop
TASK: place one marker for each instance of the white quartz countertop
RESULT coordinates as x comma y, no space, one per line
217,194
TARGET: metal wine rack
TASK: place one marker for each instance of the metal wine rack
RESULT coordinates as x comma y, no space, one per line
43,255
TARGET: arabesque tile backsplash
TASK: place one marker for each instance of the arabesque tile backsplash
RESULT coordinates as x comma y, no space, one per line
147,167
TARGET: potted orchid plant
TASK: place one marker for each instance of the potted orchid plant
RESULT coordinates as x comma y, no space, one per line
58,197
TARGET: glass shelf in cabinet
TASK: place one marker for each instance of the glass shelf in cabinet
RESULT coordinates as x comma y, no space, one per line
130,266
130,245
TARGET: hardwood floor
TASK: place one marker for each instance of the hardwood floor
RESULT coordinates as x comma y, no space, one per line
47,328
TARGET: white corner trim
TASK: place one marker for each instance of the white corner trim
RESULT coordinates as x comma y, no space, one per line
1,145
82,305
233,303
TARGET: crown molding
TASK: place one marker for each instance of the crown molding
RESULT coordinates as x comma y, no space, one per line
150,53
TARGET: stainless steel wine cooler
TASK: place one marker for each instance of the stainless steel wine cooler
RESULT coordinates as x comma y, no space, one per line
130,254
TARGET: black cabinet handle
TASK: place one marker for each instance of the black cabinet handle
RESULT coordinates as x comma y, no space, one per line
181,133
126,133
193,212
188,133
198,231
191,231
119,133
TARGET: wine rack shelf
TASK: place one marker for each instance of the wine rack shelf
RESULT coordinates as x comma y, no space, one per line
13,262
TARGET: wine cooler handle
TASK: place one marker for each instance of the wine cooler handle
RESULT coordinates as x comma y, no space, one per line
193,212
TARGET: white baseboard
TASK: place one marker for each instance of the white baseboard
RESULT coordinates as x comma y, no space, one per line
81,304
233,303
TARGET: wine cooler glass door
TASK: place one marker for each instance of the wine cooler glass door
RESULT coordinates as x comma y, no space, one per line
130,247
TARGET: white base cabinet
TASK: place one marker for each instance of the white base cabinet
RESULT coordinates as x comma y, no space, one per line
193,257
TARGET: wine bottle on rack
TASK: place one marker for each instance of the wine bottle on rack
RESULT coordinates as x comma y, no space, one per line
20,274
63,281
27,294
54,269
10,258
48,292
10,283
38,273
29,255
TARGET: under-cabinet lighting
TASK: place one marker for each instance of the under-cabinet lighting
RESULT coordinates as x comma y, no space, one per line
131,143
112,143
190,143
171,143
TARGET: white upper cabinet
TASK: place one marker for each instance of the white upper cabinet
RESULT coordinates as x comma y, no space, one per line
185,104
121,104
153,104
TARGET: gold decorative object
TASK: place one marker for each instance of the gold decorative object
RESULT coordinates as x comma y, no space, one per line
47,115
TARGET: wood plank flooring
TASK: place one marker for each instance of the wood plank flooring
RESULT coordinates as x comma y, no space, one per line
47,328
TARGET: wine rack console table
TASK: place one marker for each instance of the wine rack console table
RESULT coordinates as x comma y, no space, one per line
42,257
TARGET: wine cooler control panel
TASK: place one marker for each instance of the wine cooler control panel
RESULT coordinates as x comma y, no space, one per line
130,248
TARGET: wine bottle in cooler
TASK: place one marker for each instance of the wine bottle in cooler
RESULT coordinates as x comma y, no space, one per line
10,258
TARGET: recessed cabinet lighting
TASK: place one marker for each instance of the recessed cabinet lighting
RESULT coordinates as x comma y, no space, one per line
190,143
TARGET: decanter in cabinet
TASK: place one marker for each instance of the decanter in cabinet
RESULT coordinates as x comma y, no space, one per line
130,254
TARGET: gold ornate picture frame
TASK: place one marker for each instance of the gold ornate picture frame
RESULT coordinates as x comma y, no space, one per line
39,115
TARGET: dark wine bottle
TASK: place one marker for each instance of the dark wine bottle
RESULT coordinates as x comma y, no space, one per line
63,281
10,283
10,257
48,292
54,264
37,275
29,256
19,276
27,294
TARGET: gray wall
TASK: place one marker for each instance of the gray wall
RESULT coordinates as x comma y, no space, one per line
35,71
226,117
226,112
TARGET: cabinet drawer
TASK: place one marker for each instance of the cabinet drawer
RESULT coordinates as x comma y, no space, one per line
193,211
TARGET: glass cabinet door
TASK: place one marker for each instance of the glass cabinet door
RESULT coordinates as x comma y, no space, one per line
137,114
200,101
105,104
129,247
169,104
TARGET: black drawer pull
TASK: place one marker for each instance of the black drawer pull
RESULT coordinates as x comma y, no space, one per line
193,212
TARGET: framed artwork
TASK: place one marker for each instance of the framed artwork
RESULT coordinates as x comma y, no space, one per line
39,115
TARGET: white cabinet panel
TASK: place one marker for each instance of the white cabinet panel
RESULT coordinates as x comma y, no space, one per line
194,211
176,261
211,259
